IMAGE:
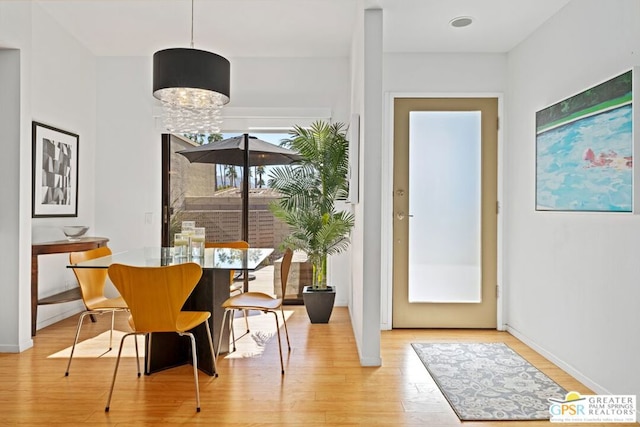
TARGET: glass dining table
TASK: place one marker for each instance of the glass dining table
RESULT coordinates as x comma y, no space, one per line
170,349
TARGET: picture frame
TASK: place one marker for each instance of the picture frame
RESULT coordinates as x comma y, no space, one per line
354,155
55,157
585,150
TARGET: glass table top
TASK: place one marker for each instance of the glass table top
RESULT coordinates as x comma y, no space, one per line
214,258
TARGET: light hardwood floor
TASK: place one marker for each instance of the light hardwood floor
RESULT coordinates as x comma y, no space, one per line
324,383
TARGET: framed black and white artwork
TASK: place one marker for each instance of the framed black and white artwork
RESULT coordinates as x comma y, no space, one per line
55,172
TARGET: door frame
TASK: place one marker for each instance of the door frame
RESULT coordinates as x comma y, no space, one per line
386,268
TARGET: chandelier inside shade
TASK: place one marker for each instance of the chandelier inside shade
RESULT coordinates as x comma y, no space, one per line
191,97
183,119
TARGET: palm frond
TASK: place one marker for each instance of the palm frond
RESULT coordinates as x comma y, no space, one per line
310,188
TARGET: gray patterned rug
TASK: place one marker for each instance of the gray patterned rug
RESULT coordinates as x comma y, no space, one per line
488,381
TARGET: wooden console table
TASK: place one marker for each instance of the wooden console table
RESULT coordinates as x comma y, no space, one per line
56,247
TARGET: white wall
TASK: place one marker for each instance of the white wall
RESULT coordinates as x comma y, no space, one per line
15,33
572,278
444,73
63,95
366,294
56,86
292,83
366,97
128,153
10,195
356,296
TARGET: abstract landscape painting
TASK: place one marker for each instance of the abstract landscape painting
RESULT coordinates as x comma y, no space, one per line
584,150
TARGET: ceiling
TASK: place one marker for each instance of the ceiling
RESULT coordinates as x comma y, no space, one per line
295,28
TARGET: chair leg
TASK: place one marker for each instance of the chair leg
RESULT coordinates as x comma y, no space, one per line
279,340
75,341
213,353
232,330
285,329
113,324
224,318
246,319
115,372
137,354
195,365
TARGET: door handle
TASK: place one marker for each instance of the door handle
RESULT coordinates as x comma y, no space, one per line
402,215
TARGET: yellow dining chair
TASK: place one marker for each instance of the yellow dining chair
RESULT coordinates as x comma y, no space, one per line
155,296
91,282
235,288
236,244
260,301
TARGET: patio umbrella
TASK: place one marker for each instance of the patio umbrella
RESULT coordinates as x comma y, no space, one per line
231,151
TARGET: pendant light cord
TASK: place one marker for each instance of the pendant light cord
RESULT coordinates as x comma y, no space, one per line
192,24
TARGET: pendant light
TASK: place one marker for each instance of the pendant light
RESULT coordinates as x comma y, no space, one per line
192,85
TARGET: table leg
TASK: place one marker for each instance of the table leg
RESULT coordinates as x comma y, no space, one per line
169,349
34,294
211,292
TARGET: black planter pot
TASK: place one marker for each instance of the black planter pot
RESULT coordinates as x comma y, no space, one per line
319,303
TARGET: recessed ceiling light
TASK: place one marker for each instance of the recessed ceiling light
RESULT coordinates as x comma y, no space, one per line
461,21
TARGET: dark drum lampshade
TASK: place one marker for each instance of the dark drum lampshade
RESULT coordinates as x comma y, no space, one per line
191,78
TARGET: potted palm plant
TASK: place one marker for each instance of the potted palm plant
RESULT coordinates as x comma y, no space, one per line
308,191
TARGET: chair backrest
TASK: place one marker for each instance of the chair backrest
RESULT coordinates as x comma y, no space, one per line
90,280
284,270
155,295
236,244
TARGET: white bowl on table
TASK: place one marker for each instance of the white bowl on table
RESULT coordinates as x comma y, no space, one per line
74,232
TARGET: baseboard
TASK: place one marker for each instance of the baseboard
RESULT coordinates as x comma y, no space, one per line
9,348
58,317
340,303
597,388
